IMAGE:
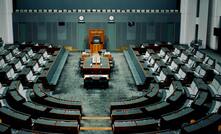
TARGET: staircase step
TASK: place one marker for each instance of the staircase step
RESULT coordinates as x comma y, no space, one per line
96,128
95,118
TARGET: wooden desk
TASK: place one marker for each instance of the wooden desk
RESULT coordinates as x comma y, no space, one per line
96,68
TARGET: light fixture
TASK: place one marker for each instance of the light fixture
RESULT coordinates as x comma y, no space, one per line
111,19
81,19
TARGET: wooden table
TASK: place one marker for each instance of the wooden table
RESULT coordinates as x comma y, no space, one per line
90,67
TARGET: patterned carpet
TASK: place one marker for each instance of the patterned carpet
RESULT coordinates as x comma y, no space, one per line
96,101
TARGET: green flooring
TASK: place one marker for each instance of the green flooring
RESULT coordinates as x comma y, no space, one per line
96,101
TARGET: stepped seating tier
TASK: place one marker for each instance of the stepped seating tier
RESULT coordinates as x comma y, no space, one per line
58,126
15,119
51,75
194,80
205,125
5,129
151,97
134,126
42,98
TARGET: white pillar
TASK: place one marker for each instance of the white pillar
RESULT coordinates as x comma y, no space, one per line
183,11
203,21
6,27
2,22
215,23
188,21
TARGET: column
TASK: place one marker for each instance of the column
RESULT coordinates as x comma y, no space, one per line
6,9
203,21
188,21
214,22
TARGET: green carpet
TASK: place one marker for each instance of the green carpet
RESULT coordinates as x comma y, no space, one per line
96,101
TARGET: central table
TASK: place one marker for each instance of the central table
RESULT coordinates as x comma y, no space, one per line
101,67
